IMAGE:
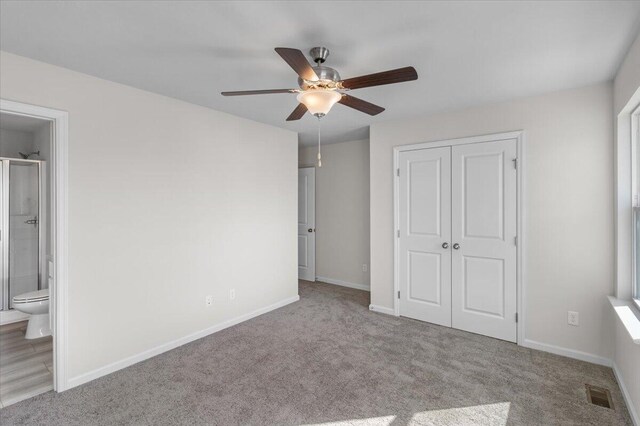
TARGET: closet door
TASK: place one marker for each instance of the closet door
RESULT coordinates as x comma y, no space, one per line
483,238
425,235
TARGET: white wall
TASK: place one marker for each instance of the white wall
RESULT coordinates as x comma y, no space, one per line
14,141
342,211
626,92
569,217
168,202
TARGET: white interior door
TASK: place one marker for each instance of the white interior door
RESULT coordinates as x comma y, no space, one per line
484,191
425,233
307,224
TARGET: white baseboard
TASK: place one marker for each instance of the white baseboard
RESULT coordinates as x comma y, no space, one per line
570,353
382,310
118,365
635,418
343,283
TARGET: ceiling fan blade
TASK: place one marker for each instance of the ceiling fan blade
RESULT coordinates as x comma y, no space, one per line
360,105
297,113
296,60
378,79
258,92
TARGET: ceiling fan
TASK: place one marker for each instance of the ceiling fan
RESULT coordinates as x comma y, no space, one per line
320,87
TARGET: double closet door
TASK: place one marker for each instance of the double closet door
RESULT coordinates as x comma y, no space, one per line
457,237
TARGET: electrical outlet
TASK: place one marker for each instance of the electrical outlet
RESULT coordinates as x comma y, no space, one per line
208,301
365,267
232,294
573,318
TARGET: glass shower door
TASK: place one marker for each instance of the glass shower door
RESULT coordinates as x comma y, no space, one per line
4,243
24,205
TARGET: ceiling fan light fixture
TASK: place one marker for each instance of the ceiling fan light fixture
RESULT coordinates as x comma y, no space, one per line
319,101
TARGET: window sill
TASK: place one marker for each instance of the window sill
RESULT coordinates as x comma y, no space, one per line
629,316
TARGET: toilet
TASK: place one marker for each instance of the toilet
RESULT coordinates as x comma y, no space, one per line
35,303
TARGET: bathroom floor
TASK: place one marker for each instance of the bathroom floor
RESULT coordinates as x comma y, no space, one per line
26,366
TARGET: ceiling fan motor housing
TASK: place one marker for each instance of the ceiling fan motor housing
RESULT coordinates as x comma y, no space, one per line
327,76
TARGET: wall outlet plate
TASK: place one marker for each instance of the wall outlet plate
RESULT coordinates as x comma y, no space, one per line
232,294
208,301
365,267
573,318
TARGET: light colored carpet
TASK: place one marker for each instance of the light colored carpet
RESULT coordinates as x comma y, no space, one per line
328,360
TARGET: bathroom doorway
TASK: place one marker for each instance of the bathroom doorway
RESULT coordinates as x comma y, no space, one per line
26,369
33,252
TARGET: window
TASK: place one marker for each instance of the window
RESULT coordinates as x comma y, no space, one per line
635,188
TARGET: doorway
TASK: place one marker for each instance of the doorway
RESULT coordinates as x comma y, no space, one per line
457,234
56,223
307,223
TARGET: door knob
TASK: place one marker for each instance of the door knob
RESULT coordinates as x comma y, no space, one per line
310,230
456,246
445,245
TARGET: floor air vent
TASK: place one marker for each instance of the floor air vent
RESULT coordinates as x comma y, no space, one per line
599,396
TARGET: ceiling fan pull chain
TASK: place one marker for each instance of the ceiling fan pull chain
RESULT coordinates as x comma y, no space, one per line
319,153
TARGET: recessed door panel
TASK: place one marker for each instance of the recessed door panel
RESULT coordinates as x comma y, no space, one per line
483,223
483,286
483,196
425,225
303,188
424,277
424,197
303,251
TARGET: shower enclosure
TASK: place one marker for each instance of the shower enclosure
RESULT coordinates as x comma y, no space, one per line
21,236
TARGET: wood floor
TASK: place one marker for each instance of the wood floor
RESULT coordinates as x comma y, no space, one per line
26,366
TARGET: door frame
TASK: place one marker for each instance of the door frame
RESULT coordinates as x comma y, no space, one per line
519,136
59,222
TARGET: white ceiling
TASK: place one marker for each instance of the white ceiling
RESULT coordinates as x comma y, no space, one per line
466,53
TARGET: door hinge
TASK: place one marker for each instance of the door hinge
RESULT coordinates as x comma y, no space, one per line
398,172
398,294
515,240
398,233
515,163
516,317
